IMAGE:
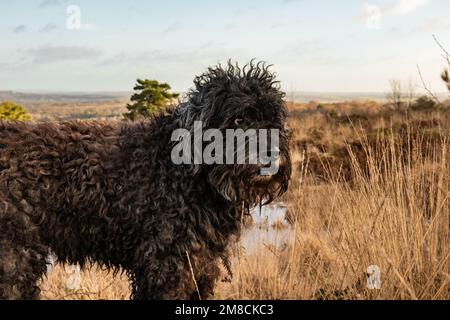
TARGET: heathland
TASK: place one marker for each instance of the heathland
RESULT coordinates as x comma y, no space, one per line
369,200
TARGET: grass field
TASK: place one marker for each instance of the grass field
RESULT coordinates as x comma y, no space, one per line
370,187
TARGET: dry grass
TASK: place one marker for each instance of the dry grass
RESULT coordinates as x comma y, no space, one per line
372,190
396,218
82,110
95,284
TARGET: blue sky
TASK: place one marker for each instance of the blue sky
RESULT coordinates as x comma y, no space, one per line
321,45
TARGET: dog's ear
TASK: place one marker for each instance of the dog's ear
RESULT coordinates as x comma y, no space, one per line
210,93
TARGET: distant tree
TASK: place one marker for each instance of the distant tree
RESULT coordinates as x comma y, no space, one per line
424,103
150,97
395,97
410,94
10,110
320,107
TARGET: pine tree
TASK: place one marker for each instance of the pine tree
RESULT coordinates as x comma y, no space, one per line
150,97
10,110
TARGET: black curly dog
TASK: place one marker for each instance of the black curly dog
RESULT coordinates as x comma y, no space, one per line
108,193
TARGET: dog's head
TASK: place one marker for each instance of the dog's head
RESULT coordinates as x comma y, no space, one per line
246,105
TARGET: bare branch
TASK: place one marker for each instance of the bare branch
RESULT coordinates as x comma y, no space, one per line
446,54
425,87
410,95
396,94
445,74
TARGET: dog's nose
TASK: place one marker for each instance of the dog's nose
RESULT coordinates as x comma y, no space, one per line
276,162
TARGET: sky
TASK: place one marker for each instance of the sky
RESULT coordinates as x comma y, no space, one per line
320,45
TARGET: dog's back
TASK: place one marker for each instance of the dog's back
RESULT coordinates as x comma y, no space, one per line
79,182
44,156
53,175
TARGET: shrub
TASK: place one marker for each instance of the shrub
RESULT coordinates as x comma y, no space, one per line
424,103
10,110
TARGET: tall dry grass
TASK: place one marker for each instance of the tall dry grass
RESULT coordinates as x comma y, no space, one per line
393,214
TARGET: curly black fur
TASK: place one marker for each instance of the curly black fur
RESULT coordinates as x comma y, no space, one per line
109,192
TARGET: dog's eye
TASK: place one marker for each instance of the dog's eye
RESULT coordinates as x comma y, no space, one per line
238,121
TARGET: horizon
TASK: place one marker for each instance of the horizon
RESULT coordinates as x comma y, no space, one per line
300,97
351,47
131,91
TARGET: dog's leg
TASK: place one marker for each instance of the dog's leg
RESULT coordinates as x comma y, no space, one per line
172,279
167,279
22,256
206,281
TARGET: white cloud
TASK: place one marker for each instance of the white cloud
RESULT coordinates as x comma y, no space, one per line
49,3
50,53
20,28
374,14
404,7
172,28
49,28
